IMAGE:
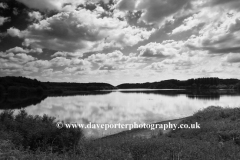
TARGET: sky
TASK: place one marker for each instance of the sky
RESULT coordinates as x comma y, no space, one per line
119,41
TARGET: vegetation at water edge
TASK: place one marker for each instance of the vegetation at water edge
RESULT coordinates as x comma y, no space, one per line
24,136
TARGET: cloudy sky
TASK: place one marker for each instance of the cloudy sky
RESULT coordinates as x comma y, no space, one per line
119,41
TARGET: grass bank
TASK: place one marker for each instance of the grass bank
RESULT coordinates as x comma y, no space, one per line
218,138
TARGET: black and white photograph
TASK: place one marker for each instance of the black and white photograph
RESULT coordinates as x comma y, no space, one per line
119,79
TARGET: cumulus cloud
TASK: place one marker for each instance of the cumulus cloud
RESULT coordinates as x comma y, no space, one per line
155,11
166,49
3,5
3,20
72,31
16,61
180,64
66,54
35,15
127,38
65,62
21,50
39,64
108,60
116,57
220,34
116,61
107,67
14,32
156,66
9,66
192,22
50,4
19,58
17,49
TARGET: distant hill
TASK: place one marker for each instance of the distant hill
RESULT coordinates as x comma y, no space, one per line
26,86
199,83
78,86
13,86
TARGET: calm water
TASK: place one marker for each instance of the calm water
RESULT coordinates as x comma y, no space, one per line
129,106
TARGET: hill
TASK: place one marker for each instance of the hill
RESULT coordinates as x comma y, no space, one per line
13,85
199,83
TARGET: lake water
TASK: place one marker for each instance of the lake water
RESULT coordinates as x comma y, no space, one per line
129,106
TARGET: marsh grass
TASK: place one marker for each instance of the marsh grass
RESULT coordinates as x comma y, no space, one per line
218,139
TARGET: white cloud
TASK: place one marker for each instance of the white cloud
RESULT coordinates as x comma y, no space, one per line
220,32
73,32
166,49
203,32
66,54
193,21
3,20
50,4
3,5
116,61
115,57
14,32
156,66
64,62
21,50
14,62
17,50
39,64
35,15
21,58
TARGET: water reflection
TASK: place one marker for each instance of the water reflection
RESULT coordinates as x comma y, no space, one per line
19,102
130,106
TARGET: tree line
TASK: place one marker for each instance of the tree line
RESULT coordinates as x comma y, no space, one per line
198,83
21,86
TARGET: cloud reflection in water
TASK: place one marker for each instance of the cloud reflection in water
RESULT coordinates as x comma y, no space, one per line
118,107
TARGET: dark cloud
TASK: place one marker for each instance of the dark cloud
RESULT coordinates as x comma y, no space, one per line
106,4
133,19
222,50
221,46
60,33
232,3
233,58
88,6
19,21
214,49
16,20
157,10
126,5
235,27
220,40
